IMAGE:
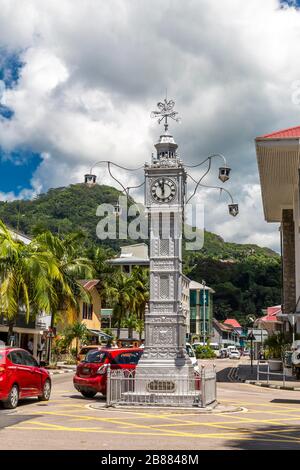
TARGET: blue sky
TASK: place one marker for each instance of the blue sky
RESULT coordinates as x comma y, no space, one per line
17,166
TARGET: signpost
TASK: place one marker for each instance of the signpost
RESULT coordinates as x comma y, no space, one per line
251,338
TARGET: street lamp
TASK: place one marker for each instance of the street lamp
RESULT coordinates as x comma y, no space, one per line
89,179
233,209
204,313
224,173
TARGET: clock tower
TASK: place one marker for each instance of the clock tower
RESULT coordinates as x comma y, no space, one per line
165,322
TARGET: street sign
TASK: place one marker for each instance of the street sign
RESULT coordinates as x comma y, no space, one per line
251,337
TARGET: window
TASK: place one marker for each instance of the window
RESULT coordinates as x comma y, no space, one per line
128,357
105,322
95,357
87,311
15,357
164,287
193,326
28,360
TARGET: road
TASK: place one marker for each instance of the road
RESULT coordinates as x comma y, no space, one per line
270,419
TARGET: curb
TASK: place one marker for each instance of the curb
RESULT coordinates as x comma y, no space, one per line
214,408
277,387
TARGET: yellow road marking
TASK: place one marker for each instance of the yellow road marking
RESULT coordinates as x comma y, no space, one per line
227,436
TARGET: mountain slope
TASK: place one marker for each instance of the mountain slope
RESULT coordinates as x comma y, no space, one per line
246,278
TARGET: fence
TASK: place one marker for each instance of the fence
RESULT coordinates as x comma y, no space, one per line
125,387
286,372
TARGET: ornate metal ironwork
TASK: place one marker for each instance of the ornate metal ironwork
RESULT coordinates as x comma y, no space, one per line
166,110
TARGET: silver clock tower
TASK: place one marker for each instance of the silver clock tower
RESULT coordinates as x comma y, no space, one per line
165,322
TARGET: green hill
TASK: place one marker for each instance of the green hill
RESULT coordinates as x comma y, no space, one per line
246,277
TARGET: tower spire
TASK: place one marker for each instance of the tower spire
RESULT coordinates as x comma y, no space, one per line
166,110
166,146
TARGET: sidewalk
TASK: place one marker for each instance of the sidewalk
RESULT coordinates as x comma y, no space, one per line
245,375
62,369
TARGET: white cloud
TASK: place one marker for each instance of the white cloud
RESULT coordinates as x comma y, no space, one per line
93,70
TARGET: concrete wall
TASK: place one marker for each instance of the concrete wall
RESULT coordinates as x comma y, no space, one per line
288,257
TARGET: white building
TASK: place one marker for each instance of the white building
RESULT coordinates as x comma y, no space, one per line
278,156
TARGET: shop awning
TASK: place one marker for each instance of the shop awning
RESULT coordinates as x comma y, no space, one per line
99,333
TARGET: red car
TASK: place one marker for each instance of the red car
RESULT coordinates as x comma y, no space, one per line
90,377
21,376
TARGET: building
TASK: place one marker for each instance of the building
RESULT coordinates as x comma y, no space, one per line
201,306
235,324
278,160
130,256
23,330
89,313
224,334
271,322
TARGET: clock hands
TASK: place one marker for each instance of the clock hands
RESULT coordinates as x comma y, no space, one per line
162,187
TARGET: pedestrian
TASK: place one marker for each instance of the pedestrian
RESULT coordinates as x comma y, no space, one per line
41,349
30,346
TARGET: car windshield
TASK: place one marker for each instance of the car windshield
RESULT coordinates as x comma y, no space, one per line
2,358
86,350
95,356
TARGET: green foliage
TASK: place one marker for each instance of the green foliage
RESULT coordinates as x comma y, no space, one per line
62,211
204,352
276,345
246,278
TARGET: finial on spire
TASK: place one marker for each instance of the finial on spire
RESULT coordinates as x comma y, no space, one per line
166,110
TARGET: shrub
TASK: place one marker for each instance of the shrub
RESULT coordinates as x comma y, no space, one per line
276,345
204,352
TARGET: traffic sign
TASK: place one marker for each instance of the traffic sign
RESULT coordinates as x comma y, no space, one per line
251,336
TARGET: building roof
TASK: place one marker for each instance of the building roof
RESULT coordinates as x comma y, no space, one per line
223,327
197,286
272,315
233,322
278,158
132,255
130,261
17,235
88,284
290,133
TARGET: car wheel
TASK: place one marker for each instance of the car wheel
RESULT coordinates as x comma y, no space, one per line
46,391
12,399
88,394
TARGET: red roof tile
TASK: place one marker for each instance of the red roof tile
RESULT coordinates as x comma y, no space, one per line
232,322
291,132
89,284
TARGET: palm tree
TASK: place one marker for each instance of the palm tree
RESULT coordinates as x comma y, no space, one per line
121,294
129,294
140,279
104,271
139,327
28,274
72,268
131,324
79,332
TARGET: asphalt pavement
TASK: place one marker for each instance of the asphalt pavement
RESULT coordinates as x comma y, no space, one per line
268,419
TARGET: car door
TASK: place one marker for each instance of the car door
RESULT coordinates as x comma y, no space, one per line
20,372
33,374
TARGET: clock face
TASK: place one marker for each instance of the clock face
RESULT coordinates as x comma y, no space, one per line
163,190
